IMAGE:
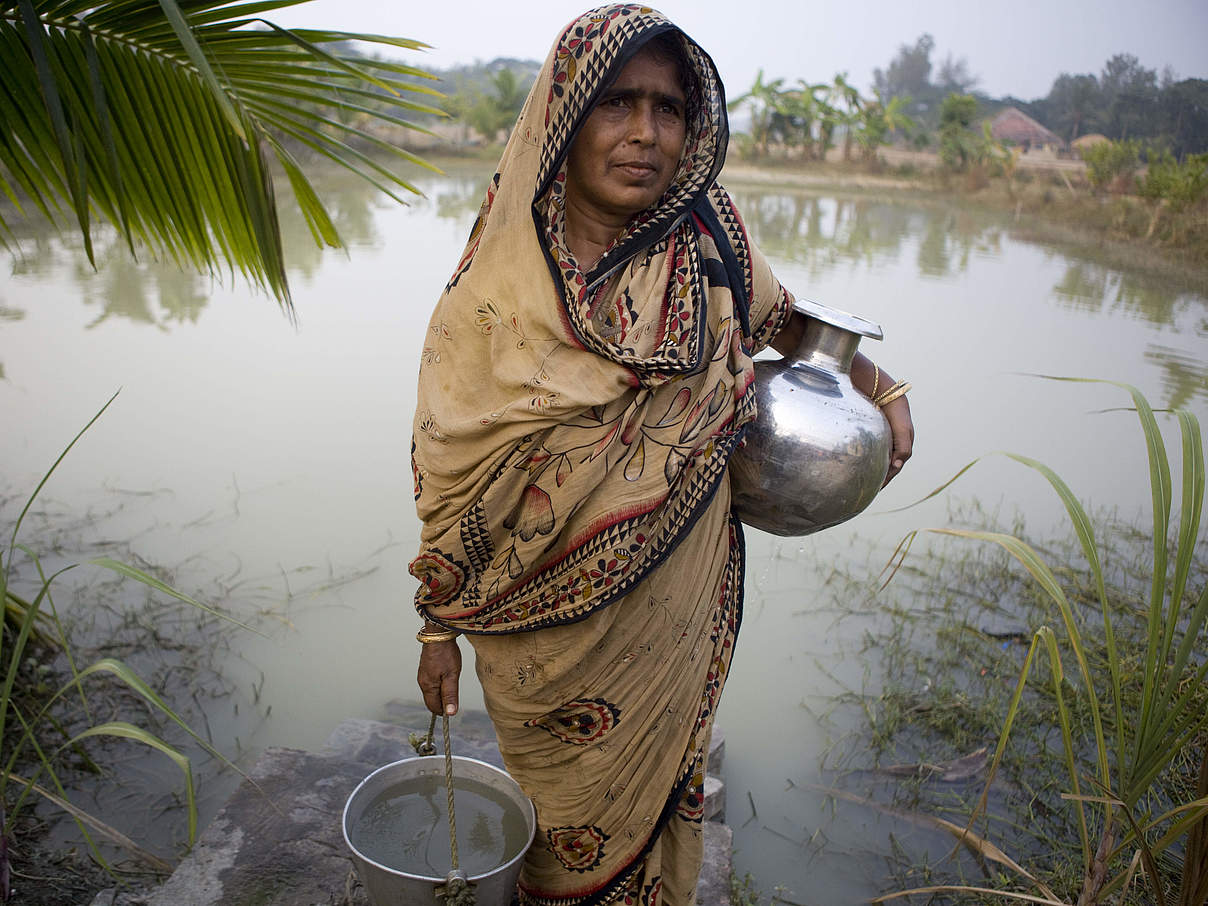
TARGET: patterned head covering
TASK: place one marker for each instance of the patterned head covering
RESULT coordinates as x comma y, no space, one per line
565,416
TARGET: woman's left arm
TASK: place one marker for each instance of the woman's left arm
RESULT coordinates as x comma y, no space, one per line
871,380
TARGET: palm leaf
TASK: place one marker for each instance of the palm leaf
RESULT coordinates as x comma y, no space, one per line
163,117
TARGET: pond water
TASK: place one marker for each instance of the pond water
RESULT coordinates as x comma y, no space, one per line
267,466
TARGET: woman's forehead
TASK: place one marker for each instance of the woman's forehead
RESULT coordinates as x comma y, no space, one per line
650,73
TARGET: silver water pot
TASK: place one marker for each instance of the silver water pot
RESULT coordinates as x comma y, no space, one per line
818,451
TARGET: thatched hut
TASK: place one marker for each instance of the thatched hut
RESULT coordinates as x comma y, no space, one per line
1015,127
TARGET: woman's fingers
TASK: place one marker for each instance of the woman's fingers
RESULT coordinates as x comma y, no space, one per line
439,670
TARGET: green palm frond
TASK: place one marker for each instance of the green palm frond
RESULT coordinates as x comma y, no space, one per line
164,118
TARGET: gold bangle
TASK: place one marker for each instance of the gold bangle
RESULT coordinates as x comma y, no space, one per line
901,388
876,381
888,390
444,635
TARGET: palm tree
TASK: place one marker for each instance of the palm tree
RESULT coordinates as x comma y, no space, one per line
165,119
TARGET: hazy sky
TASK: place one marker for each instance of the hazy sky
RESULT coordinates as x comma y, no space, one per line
1015,48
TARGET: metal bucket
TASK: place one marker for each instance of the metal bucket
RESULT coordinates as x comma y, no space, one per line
388,886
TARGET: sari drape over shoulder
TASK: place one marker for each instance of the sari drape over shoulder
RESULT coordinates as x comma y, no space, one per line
569,454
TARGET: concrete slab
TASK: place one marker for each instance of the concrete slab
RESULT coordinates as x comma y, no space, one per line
277,842
713,889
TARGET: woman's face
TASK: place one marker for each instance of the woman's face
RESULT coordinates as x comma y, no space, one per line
627,151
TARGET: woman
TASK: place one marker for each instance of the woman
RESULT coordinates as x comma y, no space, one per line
586,376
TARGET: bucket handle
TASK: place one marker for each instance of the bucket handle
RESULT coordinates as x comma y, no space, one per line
456,891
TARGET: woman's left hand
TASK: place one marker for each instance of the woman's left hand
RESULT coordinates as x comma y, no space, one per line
901,427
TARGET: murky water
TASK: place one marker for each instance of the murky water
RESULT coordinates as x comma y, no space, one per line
269,466
407,828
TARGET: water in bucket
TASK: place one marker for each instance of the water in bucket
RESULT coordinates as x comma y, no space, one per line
406,827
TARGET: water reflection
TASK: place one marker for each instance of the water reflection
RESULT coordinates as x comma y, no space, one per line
156,293
1091,287
351,202
950,238
1184,376
820,232
460,195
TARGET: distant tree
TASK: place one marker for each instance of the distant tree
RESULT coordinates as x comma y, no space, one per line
954,76
909,72
1074,106
957,141
765,100
495,112
848,105
1124,72
800,117
800,110
909,75
487,97
880,118
1130,93
1184,112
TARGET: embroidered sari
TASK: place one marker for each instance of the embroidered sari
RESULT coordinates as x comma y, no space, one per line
569,454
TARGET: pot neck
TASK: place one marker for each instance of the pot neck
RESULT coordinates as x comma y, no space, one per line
827,346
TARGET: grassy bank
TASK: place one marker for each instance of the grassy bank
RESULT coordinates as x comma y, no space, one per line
1044,702
951,653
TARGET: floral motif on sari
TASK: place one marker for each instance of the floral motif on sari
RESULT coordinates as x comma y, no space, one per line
579,722
577,848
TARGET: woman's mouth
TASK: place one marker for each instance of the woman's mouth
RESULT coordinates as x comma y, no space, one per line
637,169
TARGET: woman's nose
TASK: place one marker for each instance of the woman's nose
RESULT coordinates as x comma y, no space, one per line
642,125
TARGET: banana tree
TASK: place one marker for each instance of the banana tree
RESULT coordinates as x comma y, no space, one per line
766,102
808,106
164,118
878,120
848,104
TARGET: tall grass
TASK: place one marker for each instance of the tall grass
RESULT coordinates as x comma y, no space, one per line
1144,709
33,735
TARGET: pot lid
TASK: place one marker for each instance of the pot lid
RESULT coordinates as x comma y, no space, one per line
840,319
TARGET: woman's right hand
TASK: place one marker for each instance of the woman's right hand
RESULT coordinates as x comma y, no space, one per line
439,669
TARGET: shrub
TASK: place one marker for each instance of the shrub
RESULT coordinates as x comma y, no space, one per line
1109,162
1180,185
956,140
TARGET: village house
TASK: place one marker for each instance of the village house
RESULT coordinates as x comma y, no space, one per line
1014,127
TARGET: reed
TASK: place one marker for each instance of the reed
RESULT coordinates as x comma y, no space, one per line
1125,717
35,736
